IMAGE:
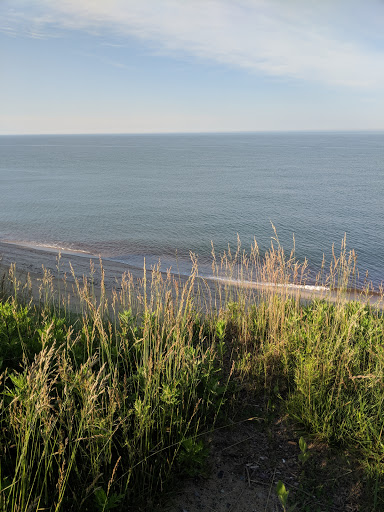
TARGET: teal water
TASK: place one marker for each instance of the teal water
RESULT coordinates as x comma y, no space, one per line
130,196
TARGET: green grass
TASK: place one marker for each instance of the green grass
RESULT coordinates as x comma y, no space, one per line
105,400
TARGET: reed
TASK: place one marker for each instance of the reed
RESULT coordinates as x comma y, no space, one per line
105,394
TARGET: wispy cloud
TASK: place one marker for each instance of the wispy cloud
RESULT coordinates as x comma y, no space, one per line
307,40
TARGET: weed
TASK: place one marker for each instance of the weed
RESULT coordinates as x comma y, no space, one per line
282,494
304,452
102,403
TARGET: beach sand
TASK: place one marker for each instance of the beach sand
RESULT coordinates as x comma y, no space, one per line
32,261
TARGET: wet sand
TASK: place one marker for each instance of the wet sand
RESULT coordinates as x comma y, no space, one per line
32,261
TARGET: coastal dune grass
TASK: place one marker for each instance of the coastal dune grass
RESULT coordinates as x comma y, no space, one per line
106,395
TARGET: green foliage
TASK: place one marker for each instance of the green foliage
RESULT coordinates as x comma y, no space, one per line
18,338
105,503
114,399
220,329
282,494
192,456
304,455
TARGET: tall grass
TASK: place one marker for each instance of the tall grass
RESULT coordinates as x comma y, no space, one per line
105,394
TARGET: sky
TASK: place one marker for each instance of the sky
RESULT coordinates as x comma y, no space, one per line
160,66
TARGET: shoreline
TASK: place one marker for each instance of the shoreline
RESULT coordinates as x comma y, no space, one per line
32,260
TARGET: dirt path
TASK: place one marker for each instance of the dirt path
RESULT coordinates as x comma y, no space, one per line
240,476
247,459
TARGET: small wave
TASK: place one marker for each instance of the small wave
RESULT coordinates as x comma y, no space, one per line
51,246
261,284
59,248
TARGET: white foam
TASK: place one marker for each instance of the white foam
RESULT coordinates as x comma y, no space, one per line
58,247
265,284
40,245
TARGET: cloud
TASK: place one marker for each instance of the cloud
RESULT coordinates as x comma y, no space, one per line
301,40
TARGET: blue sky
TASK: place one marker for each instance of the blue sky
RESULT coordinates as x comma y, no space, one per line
148,66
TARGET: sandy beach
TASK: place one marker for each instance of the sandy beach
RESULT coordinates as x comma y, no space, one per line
32,261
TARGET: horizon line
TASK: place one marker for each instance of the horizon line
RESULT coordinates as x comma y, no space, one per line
213,132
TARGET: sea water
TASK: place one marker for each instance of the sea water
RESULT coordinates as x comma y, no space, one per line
127,197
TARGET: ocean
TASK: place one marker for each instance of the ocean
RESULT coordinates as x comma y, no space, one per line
130,197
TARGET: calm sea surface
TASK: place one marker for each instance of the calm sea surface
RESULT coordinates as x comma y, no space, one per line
130,196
